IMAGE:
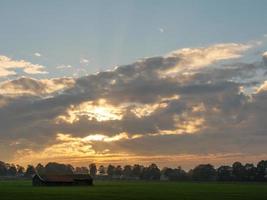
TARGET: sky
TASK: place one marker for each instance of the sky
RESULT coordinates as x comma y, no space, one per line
123,82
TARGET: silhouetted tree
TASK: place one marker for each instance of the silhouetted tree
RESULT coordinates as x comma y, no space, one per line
224,173
118,171
177,174
204,172
12,170
21,170
238,171
127,171
137,170
180,174
101,170
111,170
81,170
3,169
58,168
30,171
151,173
166,171
261,174
92,169
250,172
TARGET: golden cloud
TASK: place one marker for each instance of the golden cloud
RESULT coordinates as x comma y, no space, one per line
195,58
7,66
31,86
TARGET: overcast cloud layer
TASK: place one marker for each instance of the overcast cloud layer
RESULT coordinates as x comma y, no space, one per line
189,103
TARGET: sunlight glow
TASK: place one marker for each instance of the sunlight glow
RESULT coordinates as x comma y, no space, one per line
188,126
67,146
100,111
104,138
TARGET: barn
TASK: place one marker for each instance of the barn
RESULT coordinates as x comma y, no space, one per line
62,180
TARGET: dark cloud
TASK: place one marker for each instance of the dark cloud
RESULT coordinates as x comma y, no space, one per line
25,86
264,57
194,110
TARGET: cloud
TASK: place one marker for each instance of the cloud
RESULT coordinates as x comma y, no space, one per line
30,86
161,30
189,102
264,56
8,67
63,66
84,61
262,87
37,54
195,58
82,151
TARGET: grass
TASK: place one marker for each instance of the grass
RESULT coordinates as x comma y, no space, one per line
131,190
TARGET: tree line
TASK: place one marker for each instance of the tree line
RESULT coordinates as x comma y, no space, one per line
204,172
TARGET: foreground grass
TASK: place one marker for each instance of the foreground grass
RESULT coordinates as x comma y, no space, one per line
131,190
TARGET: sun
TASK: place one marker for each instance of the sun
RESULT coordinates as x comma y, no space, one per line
103,112
99,110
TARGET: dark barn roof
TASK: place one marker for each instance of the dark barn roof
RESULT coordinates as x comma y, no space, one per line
54,180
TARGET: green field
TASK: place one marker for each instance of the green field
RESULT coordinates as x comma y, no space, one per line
124,190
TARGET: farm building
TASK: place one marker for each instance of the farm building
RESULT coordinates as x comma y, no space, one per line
62,180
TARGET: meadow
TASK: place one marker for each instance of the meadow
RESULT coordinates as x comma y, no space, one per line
131,190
